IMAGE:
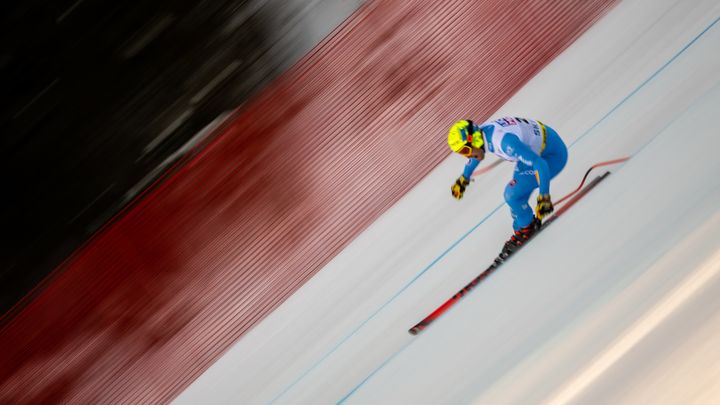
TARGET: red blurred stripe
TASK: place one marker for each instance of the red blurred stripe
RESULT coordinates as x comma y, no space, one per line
160,293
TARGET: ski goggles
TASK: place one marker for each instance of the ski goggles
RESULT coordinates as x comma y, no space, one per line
466,150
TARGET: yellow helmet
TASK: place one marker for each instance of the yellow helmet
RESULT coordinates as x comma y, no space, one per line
464,133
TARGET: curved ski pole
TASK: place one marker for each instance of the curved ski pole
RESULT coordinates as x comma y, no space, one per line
607,163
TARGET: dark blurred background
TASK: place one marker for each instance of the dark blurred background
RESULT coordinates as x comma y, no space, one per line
99,97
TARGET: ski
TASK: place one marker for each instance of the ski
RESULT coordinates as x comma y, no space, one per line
503,257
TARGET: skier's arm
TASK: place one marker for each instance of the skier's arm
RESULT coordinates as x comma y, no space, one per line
512,145
470,167
458,189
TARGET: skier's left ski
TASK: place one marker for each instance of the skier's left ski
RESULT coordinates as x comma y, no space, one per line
500,259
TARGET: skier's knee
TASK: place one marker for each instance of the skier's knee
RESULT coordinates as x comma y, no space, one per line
511,194
508,195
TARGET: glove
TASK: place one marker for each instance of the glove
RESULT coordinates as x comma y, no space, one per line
458,189
544,206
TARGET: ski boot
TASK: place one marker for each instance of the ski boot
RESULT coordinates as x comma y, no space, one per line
519,237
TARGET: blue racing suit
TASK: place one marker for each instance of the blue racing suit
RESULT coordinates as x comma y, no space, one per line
539,152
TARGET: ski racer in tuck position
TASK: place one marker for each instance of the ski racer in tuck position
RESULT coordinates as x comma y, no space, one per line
539,152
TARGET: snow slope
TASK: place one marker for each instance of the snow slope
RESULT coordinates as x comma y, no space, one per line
615,303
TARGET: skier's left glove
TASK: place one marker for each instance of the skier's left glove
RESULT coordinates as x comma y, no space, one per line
544,206
458,189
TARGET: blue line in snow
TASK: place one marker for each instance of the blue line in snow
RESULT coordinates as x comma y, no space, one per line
457,242
383,306
657,72
402,349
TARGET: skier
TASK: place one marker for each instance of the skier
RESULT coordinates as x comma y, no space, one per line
539,153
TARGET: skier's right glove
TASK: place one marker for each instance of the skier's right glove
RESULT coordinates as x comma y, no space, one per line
544,206
458,189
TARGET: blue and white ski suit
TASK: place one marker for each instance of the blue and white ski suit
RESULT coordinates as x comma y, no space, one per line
539,152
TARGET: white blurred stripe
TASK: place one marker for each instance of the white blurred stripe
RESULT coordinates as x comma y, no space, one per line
68,11
706,271
168,130
147,35
229,69
36,98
